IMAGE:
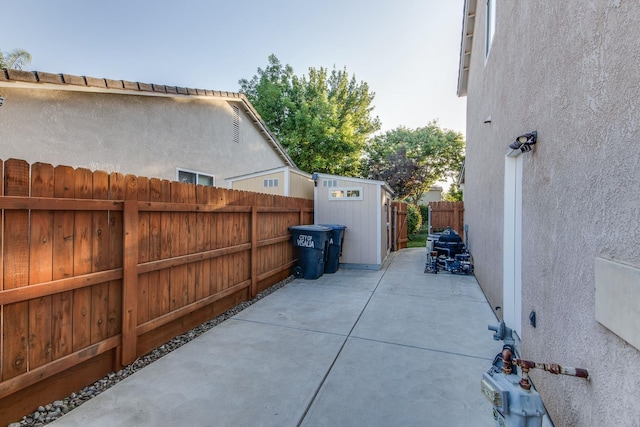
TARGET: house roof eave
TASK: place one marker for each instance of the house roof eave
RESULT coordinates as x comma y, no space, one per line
466,42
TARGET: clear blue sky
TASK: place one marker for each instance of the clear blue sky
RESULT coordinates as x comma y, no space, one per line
406,50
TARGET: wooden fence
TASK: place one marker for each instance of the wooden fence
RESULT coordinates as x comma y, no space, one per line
400,233
447,214
98,269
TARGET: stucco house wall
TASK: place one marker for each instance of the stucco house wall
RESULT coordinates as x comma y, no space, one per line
570,71
129,127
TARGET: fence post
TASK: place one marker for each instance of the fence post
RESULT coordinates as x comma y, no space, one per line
254,251
395,227
129,282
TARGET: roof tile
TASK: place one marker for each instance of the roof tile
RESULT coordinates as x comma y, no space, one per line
74,80
171,89
95,82
191,91
182,90
114,84
22,76
49,78
159,88
130,85
146,87
3,75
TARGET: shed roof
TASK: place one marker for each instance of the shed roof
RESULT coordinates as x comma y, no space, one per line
382,184
69,82
268,171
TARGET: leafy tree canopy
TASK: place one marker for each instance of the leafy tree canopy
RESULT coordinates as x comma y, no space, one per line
411,161
16,59
323,119
454,194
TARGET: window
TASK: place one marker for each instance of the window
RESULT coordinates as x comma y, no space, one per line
351,193
330,183
491,25
193,177
271,182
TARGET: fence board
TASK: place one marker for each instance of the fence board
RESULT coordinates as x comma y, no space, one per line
164,276
82,261
64,187
116,228
143,251
101,260
178,278
41,267
192,239
16,271
155,289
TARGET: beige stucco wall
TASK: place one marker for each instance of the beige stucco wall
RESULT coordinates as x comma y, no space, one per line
569,70
256,184
291,183
300,185
144,135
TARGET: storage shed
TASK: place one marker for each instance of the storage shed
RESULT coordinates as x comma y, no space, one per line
364,207
282,181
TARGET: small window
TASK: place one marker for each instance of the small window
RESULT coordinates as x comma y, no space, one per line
193,177
491,25
352,193
271,182
330,183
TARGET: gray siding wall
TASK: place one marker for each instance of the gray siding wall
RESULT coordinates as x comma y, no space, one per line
360,216
143,135
568,69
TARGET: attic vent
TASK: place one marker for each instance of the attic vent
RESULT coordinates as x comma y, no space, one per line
236,124
330,183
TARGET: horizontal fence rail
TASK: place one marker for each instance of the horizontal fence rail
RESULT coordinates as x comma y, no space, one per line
97,269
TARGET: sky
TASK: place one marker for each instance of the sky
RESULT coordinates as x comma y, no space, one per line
407,51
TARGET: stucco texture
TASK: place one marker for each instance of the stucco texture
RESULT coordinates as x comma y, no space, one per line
142,135
569,70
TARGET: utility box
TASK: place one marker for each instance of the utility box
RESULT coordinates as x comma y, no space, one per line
513,406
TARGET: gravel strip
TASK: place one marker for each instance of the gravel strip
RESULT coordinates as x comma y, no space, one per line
46,414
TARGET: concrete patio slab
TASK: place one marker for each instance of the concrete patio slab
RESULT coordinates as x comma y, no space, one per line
354,348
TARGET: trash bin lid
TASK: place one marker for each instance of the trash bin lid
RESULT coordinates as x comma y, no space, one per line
310,227
334,226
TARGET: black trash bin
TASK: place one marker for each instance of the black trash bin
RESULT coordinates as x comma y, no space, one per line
312,242
335,247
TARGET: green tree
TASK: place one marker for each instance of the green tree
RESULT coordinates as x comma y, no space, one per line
16,59
454,194
414,219
323,119
411,161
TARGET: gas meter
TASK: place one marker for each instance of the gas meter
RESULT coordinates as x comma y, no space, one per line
515,402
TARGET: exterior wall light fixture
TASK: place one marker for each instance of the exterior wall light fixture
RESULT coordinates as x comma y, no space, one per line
525,142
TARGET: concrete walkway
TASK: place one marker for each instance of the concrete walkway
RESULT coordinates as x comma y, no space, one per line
395,347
